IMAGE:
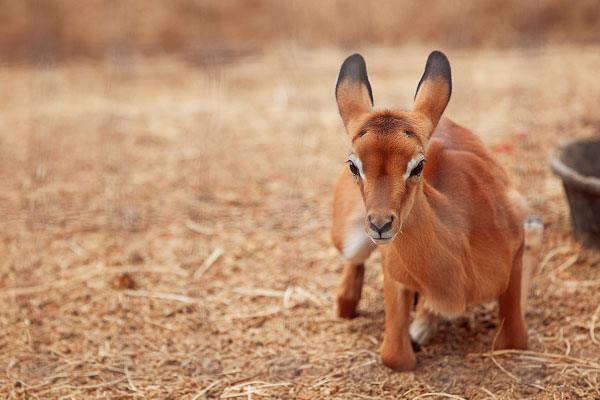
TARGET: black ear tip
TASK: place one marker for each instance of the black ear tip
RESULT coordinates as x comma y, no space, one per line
437,53
354,65
354,69
355,58
438,65
438,60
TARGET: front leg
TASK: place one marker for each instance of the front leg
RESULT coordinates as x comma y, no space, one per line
348,294
397,352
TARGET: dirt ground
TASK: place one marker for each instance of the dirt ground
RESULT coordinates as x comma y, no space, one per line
164,229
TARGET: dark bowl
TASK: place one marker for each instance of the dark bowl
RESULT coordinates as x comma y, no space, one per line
577,163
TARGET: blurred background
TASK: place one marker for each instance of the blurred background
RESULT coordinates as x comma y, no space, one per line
58,29
166,170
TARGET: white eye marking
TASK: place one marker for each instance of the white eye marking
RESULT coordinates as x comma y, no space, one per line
356,161
412,164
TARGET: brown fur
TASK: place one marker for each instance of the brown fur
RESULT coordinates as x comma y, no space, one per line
459,231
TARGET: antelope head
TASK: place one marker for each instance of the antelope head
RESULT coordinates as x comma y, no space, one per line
389,147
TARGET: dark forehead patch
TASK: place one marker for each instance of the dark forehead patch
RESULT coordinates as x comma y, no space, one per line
384,123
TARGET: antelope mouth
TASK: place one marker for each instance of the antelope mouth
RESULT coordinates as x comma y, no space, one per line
381,240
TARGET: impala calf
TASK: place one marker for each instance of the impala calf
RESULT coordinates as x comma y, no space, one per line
439,206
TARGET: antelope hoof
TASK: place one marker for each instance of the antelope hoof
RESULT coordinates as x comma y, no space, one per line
511,340
346,307
398,361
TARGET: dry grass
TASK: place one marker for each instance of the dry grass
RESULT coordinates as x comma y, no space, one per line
164,230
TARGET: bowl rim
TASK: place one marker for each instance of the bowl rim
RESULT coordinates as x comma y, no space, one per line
570,176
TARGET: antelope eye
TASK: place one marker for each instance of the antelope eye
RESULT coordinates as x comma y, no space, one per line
353,168
417,170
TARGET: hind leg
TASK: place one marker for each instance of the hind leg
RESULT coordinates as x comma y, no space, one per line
534,232
424,325
512,334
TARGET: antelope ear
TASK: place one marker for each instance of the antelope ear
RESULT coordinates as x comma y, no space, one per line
434,88
353,90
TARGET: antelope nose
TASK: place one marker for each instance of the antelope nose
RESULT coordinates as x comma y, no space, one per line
381,224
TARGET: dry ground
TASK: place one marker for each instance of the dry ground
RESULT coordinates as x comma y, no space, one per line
121,179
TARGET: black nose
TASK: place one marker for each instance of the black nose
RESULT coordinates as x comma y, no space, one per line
386,226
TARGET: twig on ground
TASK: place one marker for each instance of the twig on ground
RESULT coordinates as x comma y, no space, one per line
550,254
492,395
564,266
161,295
450,396
206,389
75,248
77,278
271,311
363,396
329,377
210,260
20,291
196,227
259,292
593,324
70,386
131,385
544,356
150,269
492,353
575,284
251,388
289,295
